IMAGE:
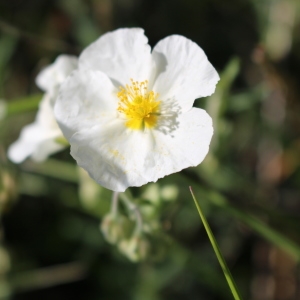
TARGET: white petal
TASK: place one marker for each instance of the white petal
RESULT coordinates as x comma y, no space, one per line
112,154
37,139
85,99
53,75
121,54
185,147
117,157
34,142
183,71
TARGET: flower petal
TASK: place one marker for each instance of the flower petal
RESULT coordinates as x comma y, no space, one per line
183,71
35,143
121,54
85,99
117,157
185,147
112,154
37,139
53,75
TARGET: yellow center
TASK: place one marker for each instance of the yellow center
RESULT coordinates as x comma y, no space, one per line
140,106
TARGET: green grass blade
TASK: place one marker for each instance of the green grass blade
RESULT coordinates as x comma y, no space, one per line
218,253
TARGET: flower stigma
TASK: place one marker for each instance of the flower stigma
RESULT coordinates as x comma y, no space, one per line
139,105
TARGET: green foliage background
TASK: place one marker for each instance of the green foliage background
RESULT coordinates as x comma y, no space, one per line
248,185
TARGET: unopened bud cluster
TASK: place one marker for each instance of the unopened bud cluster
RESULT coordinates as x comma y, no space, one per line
121,231
138,234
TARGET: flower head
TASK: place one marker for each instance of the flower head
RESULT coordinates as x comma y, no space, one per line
127,112
38,139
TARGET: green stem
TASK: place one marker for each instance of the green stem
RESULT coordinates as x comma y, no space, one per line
114,204
23,104
218,253
53,168
137,214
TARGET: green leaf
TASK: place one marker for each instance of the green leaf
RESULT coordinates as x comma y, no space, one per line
23,104
53,168
218,252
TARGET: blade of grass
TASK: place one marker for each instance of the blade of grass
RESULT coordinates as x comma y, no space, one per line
218,253
263,229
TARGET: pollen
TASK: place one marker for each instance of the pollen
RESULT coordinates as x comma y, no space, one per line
139,105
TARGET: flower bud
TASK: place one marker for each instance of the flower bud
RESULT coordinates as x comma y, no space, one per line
136,248
115,228
8,191
4,261
169,192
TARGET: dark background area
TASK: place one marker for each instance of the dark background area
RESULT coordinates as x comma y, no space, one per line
248,185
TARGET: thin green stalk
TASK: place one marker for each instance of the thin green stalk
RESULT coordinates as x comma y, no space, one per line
133,208
53,168
218,253
114,204
23,104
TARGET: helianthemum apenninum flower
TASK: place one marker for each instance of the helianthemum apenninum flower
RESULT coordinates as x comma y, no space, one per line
127,112
39,139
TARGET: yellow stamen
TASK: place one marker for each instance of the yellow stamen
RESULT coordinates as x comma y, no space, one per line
139,105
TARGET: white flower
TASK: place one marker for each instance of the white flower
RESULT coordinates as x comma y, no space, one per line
38,140
128,113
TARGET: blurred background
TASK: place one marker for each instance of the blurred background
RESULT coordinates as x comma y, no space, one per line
51,246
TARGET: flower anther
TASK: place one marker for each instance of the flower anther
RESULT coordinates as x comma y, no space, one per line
139,105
